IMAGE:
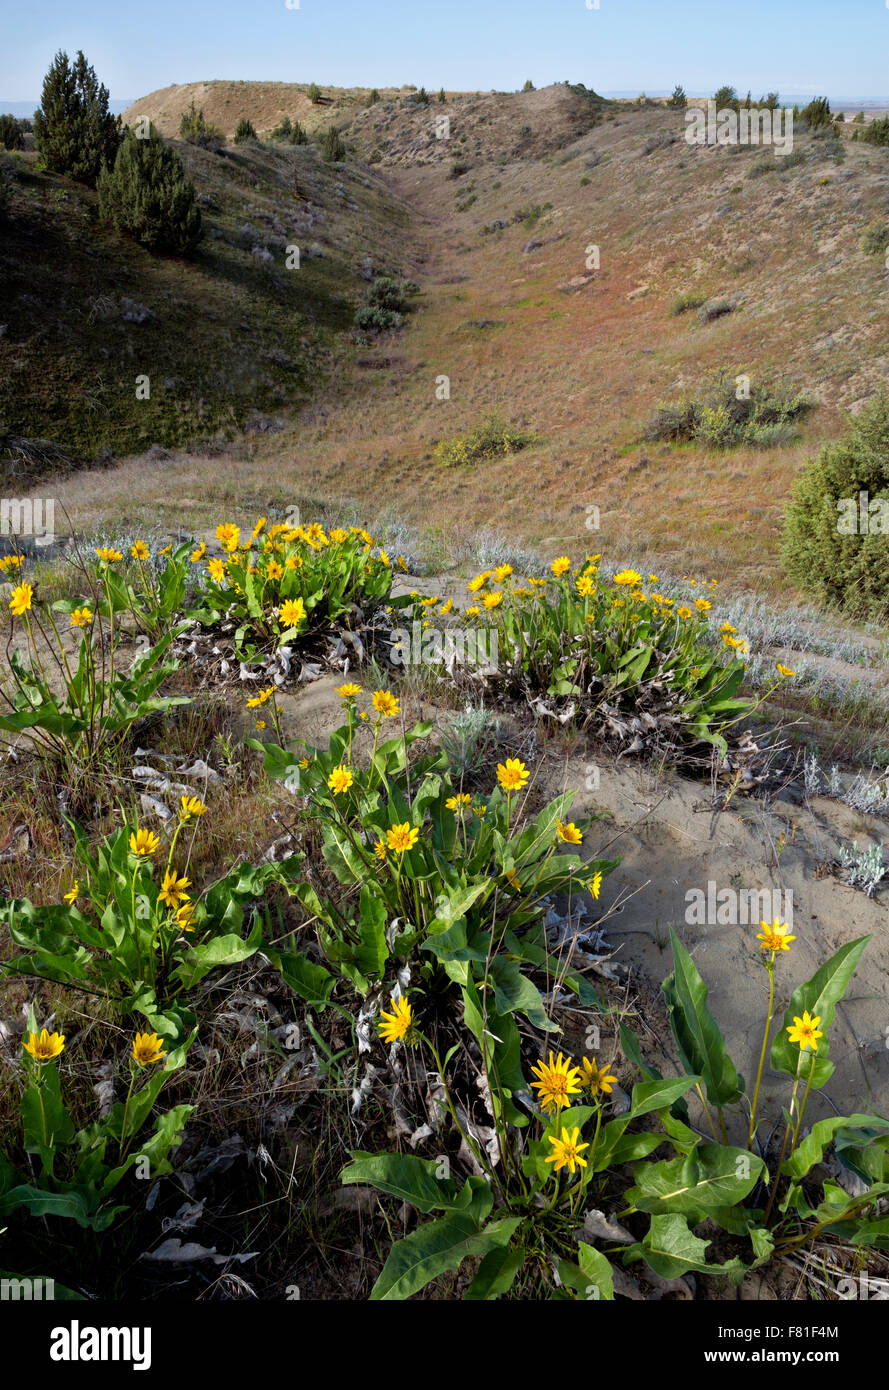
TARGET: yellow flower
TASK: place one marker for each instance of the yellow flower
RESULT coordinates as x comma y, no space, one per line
275,570
198,554
21,599
454,803
683,612
653,579
144,843
395,1025
727,627
385,559
190,806
303,763
44,1046
81,617
261,698
558,1081
785,670
380,851
480,811
216,569
512,775
338,536
386,704
147,1049
172,890
595,1078
72,895
349,690
260,724
569,833
775,937
139,550
596,885
628,577
228,536
586,585
566,1151
293,612
340,780
560,566
493,600
479,581
703,604
108,555
185,917
805,1031
513,879
446,607
402,837
473,612
502,572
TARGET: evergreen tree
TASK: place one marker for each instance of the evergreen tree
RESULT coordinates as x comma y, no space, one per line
678,99
442,97
74,131
529,86
314,93
11,137
332,147
245,131
147,196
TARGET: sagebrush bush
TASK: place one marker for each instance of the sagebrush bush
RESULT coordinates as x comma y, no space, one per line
491,439
721,418
832,550
877,133
198,131
148,197
875,238
74,131
681,303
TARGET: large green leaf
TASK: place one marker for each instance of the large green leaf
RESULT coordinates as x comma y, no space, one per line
495,1274
810,1150
711,1177
698,1039
671,1249
819,996
436,1247
411,1179
660,1094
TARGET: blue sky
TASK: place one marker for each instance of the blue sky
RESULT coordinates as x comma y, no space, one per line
838,47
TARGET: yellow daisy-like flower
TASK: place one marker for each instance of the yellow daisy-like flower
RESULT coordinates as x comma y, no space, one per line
596,1078
568,832
43,1046
185,917
480,811
596,885
785,670
386,704
340,780
108,555
144,843
402,837
380,851
216,570
775,937
586,585
147,1049
628,577
653,579
395,1025
139,550
190,806
264,695
513,879
260,724
502,572
172,890
384,559
198,554
727,627
228,536
337,535
702,604
21,600
560,566
71,896
303,763
473,612
479,581
493,600
454,803
557,1081
683,612
446,607
293,612
567,1150
512,775
81,617
805,1031
349,690
275,571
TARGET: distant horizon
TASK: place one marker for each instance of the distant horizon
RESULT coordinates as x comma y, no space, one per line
117,105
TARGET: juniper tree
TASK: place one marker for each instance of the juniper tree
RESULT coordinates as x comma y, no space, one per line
245,131
74,131
148,196
11,137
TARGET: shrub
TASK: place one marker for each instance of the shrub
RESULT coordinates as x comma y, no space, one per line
457,170
372,319
529,86
11,134
332,147
373,98
491,439
678,99
420,98
726,97
715,309
817,114
766,164
859,119
719,419
875,239
245,131
5,189
74,131
197,131
683,302
389,292
147,196
826,548
877,133
314,93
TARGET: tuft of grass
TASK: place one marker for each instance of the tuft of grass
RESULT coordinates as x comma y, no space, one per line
491,439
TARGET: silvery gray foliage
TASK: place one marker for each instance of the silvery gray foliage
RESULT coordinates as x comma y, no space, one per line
864,867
